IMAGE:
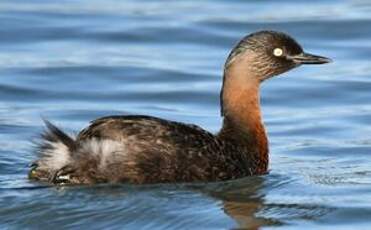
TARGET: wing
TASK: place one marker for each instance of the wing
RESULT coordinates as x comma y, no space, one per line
158,150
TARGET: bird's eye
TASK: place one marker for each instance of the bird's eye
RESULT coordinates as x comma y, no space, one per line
277,52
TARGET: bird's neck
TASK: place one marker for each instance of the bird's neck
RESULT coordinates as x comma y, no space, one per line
242,124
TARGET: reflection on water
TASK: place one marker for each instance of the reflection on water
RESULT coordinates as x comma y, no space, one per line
73,61
243,200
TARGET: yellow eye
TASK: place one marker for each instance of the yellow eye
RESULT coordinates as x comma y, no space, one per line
277,52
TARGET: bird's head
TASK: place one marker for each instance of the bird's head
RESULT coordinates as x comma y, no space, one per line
270,53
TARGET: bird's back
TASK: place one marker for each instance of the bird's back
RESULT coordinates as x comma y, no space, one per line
143,149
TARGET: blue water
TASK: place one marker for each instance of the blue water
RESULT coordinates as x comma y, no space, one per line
73,61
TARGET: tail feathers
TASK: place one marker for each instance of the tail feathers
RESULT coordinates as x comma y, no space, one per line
55,150
54,134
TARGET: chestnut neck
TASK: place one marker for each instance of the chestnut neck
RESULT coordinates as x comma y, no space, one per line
242,124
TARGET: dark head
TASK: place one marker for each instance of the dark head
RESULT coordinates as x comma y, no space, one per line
270,53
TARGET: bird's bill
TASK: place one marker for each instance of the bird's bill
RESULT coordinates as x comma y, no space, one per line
306,58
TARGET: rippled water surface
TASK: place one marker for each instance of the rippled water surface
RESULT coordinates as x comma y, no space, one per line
73,61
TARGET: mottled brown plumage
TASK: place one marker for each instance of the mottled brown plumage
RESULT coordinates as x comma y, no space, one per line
144,149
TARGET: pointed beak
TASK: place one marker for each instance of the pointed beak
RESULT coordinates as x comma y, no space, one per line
306,58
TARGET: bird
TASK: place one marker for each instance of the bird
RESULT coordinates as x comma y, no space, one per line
141,149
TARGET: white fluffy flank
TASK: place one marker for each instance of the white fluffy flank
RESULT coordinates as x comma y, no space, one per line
105,150
55,157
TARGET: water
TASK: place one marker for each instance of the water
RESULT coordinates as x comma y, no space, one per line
73,61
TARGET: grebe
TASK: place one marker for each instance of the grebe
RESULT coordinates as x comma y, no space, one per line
144,149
